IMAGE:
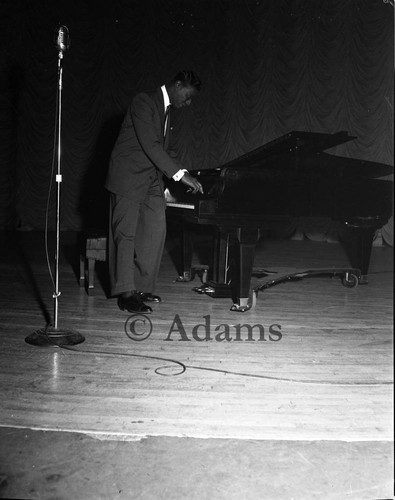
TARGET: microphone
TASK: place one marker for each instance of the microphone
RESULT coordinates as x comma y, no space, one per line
62,39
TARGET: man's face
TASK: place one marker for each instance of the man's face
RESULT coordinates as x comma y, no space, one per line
182,96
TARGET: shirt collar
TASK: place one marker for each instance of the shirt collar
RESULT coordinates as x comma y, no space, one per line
166,98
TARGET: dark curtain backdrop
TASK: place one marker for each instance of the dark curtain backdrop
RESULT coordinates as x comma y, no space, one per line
268,67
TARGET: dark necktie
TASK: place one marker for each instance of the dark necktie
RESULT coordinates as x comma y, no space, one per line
166,120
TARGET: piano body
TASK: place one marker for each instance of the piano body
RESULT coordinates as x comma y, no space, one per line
284,179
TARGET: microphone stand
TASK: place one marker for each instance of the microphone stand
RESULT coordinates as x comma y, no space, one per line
53,335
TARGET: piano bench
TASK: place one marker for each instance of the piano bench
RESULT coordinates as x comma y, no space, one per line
93,248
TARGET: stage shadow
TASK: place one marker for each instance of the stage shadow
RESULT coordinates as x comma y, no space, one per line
18,243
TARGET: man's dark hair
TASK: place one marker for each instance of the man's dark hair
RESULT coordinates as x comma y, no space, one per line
187,77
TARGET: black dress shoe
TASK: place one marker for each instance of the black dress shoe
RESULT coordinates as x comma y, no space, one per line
133,304
148,297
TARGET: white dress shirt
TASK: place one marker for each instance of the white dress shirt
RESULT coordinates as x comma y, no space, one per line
177,176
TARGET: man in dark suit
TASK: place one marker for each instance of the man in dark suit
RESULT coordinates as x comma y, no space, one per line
135,182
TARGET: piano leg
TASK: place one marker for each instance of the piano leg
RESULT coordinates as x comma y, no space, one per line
218,285
186,254
358,240
189,271
247,239
220,264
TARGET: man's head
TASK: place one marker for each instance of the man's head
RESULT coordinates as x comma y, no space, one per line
182,88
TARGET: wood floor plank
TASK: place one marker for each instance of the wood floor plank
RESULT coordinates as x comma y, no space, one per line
328,376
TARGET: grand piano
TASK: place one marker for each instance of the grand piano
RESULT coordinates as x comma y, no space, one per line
287,178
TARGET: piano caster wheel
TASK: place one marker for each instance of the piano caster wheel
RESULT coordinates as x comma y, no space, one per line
184,278
239,308
245,304
201,271
350,280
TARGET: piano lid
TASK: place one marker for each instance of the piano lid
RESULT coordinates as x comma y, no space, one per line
289,144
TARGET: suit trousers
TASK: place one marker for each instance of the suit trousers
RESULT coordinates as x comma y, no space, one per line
136,240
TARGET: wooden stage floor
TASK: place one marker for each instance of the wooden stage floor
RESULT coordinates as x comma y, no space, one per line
316,365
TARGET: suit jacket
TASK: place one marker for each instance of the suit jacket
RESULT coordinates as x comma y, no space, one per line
140,152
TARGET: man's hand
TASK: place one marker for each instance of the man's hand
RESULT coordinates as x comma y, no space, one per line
192,182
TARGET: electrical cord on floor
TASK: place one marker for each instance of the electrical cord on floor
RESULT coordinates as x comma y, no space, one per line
46,230
183,368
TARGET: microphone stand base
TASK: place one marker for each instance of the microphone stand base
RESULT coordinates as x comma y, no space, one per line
55,337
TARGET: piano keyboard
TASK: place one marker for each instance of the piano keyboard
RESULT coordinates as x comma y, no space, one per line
189,206
172,202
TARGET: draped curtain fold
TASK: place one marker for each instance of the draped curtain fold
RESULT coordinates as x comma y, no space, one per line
267,66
